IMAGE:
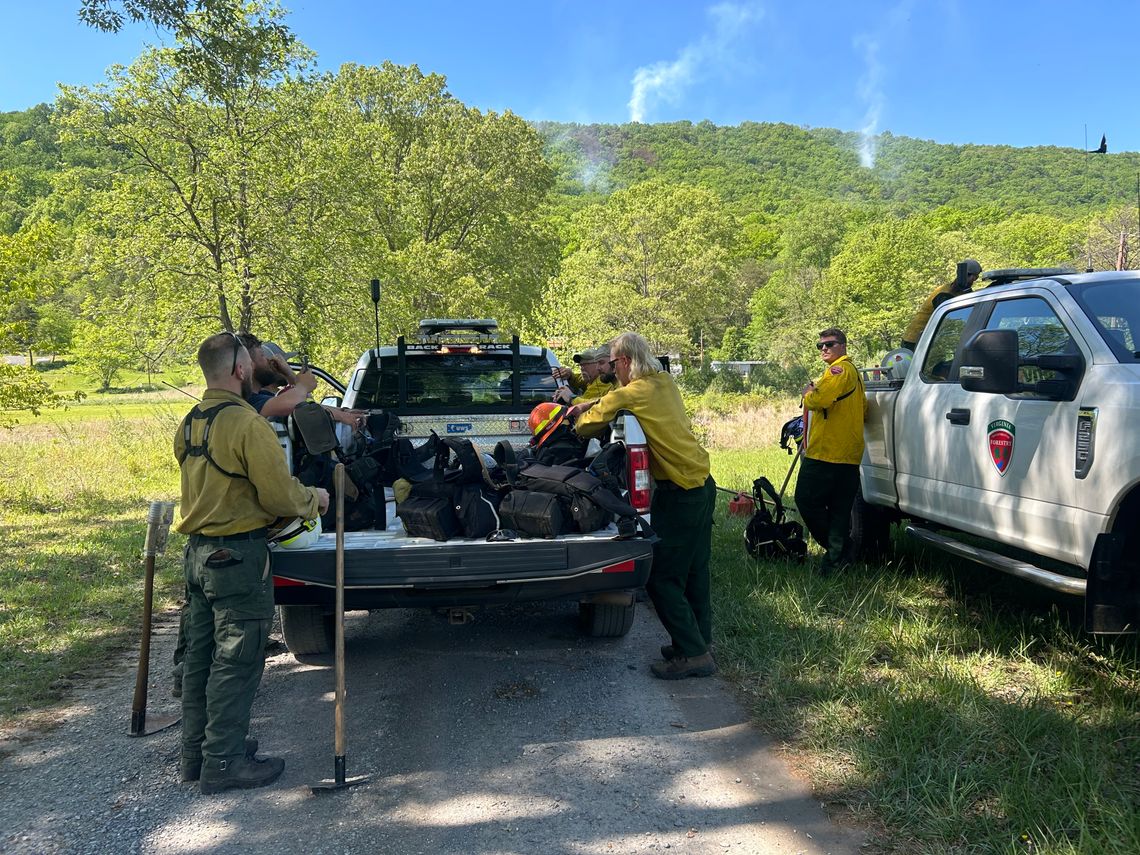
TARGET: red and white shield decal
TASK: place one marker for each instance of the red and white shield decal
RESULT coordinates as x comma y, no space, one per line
1001,435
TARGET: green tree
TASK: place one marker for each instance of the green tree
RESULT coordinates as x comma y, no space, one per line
22,389
655,258
26,283
198,123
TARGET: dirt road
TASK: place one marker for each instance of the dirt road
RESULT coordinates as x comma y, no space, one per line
512,734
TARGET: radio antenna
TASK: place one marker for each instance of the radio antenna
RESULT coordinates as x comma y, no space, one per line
1088,201
376,311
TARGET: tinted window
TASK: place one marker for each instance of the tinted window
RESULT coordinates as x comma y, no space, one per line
456,381
1039,333
944,346
1115,308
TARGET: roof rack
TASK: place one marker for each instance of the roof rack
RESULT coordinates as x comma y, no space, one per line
1009,275
460,329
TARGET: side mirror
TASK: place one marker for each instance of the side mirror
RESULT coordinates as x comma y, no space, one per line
989,362
331,401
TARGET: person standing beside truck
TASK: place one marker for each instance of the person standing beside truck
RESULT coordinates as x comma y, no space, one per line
935,299
235,483
832,449
682,507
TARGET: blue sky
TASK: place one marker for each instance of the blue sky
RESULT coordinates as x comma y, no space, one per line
955,71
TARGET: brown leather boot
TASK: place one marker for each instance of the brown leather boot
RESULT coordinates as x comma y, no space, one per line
680,667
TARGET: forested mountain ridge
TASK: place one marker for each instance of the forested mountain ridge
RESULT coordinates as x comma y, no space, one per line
754,167
772,167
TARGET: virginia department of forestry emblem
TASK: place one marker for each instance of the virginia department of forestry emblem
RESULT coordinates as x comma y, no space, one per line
1000,434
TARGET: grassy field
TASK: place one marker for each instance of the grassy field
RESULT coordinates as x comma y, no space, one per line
951,709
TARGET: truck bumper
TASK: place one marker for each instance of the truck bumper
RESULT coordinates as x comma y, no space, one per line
464,573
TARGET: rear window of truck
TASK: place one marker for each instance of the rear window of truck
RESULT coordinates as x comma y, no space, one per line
1115,309
467,382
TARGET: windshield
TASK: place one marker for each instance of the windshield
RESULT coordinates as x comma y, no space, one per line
1115,308
456,382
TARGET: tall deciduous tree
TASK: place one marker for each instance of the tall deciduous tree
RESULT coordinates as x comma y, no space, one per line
199,124
655,258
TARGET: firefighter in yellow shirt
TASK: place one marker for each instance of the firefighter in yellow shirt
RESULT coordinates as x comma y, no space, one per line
682,507
833,448
235,483
593,382
935,299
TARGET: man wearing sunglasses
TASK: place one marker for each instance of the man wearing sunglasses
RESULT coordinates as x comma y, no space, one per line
833,448
596,379
235,482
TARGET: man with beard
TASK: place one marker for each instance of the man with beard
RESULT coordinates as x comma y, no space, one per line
235,483
595,380
271,371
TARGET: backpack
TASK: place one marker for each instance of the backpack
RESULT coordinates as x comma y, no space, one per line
772,537
584,500
457,497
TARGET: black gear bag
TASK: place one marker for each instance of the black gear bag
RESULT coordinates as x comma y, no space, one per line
772,537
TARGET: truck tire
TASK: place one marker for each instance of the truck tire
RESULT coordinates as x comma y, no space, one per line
870,530
308,630
605,620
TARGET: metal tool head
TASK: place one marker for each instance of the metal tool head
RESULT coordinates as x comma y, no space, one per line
339,781
144,725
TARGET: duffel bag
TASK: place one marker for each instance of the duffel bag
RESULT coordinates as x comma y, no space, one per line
426,517
477,510
534,514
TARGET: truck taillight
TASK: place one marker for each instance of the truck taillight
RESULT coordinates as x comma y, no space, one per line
282,582
639,477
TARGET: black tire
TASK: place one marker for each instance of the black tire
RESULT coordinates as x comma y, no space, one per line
870,530
308,630
605,620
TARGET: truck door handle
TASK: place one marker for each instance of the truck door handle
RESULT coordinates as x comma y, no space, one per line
958,416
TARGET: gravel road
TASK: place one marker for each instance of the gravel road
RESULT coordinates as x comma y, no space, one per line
510,734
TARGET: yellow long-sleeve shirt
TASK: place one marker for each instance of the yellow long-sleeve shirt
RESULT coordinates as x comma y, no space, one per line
922,317
241,442
674,453
834,411
597,388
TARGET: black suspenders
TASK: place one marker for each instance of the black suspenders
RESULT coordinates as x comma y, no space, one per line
203,450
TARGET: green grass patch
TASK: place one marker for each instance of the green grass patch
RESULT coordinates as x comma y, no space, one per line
73,506
963,710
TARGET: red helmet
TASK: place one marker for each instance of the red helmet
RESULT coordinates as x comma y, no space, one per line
544,420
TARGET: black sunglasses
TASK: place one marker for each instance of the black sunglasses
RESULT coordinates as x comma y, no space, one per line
821,345
237,347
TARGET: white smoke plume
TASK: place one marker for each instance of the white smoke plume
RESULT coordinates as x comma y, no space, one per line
870,87
871,94
666,82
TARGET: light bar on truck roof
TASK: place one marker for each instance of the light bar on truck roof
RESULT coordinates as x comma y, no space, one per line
468,326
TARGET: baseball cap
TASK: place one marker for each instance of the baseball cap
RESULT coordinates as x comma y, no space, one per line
593,354
271,349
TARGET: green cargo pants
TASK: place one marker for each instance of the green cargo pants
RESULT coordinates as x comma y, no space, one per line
231,610
679,584
824,495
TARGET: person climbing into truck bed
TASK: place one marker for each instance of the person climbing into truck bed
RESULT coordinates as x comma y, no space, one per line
936,298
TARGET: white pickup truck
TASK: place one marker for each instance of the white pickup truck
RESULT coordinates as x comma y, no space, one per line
1016,422
459,380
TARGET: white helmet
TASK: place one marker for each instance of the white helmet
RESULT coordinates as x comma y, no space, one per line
898,361
295,533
